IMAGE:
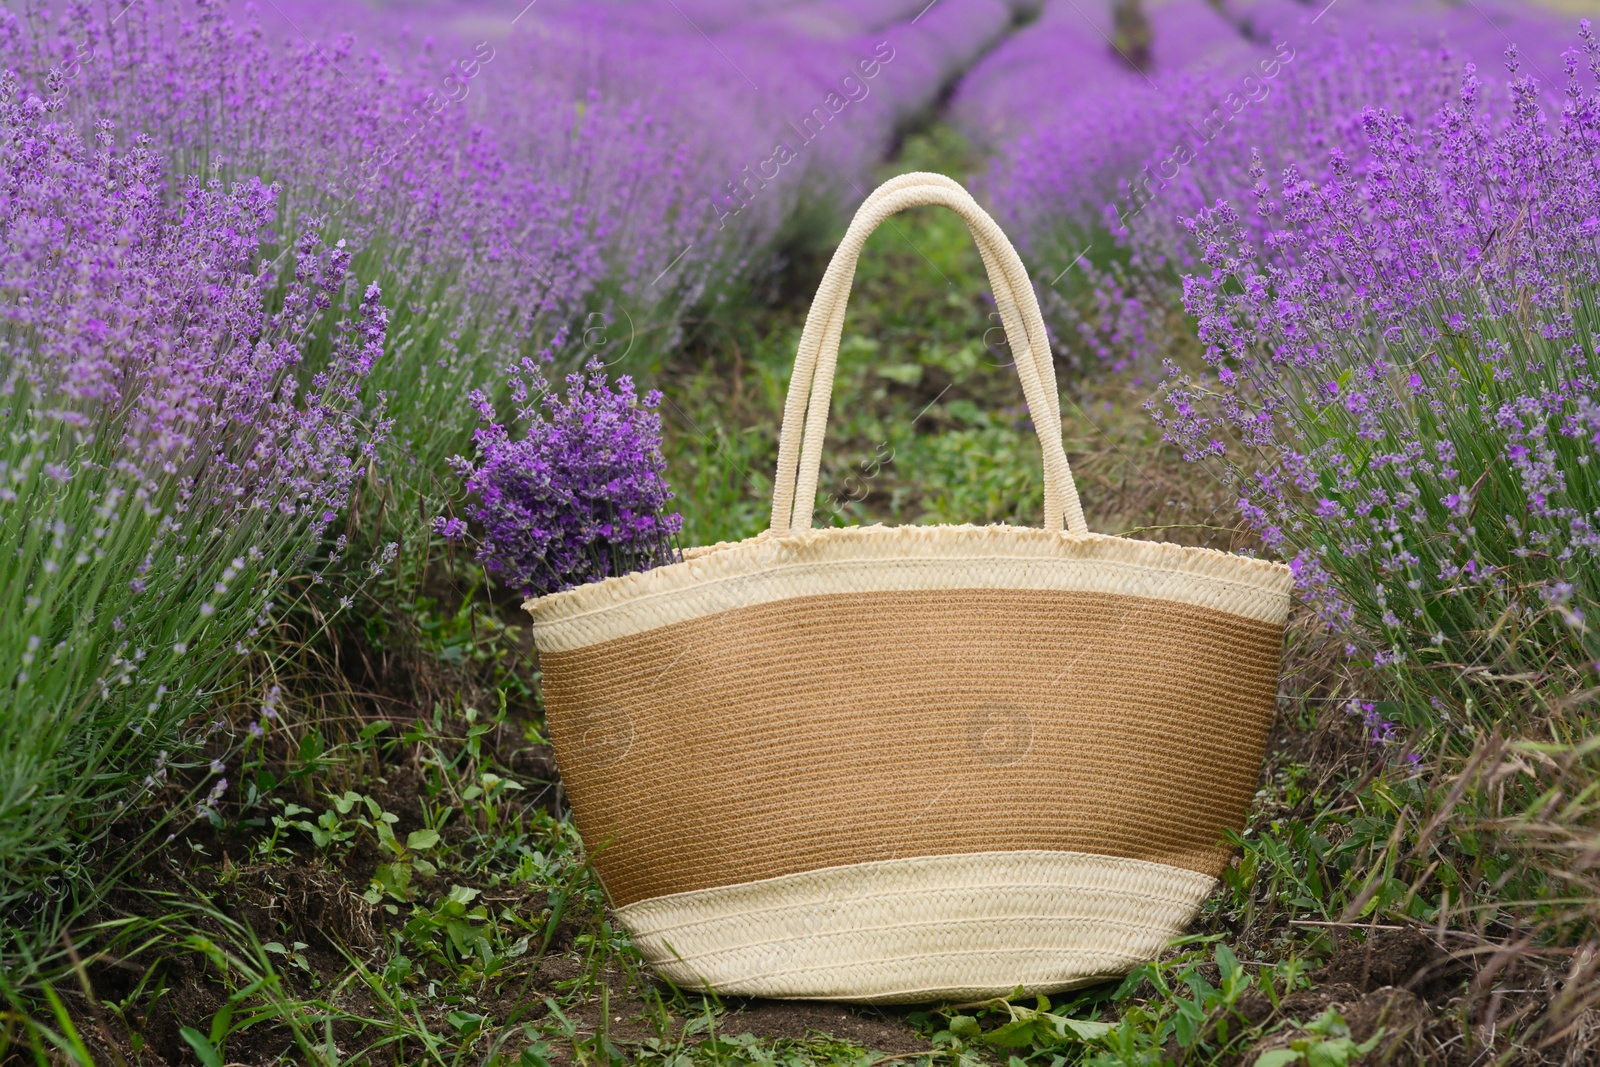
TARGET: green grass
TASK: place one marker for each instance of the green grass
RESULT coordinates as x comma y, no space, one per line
396,880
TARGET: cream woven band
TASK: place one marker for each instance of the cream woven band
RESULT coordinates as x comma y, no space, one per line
884,558
963,927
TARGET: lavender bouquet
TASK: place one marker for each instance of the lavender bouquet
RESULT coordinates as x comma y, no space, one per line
581,495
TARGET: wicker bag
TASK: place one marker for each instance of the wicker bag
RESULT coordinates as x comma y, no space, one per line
905,764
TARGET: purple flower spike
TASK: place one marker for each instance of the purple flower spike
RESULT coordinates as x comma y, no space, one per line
451,529
581,496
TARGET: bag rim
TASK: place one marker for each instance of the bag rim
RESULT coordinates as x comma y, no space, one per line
1264,585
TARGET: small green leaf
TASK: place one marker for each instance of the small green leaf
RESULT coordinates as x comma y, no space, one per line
1336,1053
902,373
1372,1042
1018,1033
1228,963
372,730
1188,1021
220,1021
1088,1030
1278,1057
965,1026
422,839
203,1049
393,874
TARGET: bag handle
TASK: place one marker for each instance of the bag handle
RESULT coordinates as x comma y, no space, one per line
805,413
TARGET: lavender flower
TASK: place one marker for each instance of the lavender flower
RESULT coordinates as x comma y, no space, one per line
165,465
450,528
1112,163
580,496
1379,731
1401,351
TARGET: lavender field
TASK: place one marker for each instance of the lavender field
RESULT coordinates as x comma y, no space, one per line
331,330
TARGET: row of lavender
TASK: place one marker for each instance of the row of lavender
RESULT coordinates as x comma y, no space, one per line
255,260
1380,224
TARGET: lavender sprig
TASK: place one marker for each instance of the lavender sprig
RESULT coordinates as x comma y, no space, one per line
581,495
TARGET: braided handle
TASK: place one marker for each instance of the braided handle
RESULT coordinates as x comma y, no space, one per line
805,413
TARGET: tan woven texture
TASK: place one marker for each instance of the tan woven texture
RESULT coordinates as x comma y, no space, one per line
844,728
915,762
965,927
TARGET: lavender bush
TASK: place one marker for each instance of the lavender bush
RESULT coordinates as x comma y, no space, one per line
594,168
580,496
486,237
163,475
1116,170
196,385
1402,381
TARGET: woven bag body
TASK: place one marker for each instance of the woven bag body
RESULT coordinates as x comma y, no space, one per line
913,763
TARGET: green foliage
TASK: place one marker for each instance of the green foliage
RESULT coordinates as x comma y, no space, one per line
1165,1004
926,425
1327,1043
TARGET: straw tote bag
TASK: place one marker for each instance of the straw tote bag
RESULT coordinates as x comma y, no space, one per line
906,764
